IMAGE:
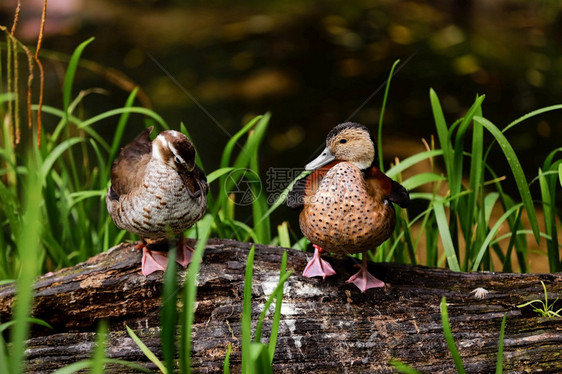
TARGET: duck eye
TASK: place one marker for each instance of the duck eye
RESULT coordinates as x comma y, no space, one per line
177,160
343,141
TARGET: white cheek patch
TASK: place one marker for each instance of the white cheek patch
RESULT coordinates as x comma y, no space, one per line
175,152
157,145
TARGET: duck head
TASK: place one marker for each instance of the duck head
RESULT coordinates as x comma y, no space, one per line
174,149
350,142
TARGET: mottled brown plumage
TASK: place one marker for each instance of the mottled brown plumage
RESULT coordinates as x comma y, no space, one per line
346,202
156,192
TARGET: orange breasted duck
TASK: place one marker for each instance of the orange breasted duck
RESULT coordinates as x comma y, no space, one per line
157,192
346,202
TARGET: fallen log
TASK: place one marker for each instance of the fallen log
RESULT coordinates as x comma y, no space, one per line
326,325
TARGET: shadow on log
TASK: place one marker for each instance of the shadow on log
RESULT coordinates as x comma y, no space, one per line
326,325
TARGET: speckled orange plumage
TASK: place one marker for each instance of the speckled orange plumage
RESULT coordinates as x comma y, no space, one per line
344,212
346,202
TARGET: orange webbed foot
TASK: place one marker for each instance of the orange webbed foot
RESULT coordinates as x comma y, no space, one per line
363,279
318,267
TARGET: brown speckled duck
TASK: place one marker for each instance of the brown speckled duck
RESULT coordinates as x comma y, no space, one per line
157,192
346,202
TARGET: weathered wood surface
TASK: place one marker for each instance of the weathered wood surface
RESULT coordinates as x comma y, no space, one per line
327,325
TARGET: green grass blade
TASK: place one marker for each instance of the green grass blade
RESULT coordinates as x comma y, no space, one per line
260,360
491,236
402,367
532,114
70,72
549,221
442,131
449,337
455,179
85,364
4,362
99,352
217,174
247,313
283,234
381,117
168,312
28,248
418,180
74,367
499,362
114,112
443,227
277,313
37,321
274,295
518,173
227,153
120,128
226,365
190,294
412,160
147,352
476,178
56,153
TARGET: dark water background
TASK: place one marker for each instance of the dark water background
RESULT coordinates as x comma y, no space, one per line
313,64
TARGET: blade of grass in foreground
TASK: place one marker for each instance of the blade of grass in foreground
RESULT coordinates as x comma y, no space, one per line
499,363
274,295
449,337
147,352
402,367
168,311
190,293
99,353
278,304
85,364
28,248
226,365
247,312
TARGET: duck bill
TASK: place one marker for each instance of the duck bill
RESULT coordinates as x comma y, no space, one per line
325,157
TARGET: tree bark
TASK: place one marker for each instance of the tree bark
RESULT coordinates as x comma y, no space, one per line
326,325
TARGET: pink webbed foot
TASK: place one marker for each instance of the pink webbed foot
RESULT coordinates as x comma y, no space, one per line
363,279
158,260
318,267
184,254
153,261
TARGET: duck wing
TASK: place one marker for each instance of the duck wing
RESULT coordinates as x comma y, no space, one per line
381,186
399,195
128,169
